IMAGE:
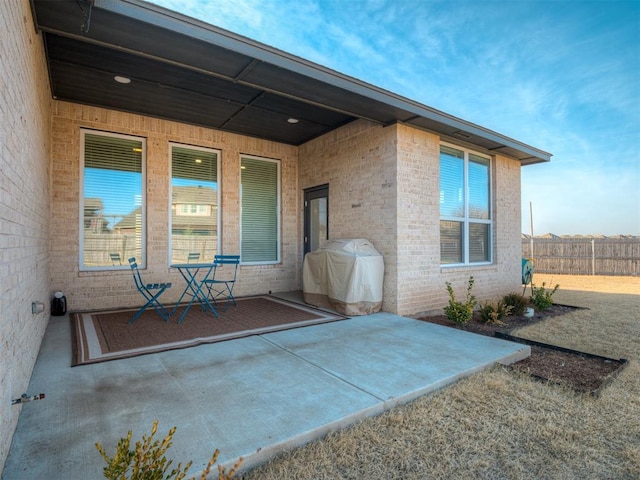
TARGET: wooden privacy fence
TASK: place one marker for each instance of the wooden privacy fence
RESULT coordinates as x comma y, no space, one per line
98,248
584,256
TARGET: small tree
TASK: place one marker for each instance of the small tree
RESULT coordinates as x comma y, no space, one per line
541,298
460,312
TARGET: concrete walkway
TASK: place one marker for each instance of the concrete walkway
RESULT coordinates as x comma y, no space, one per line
250,397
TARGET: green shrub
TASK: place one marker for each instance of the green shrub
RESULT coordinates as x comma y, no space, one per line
517,303
147,461
541,297
460,312
494,311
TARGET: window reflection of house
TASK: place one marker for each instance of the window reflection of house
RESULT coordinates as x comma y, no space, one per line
194,220
194,211
93,218
131,224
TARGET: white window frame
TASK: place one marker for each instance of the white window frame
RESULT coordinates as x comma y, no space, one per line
466,220
143,205
218,194
278,210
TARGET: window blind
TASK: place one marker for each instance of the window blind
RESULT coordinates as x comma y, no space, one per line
451,183
465,207
112,207
260,204
194,204
478,242
451,242
478,187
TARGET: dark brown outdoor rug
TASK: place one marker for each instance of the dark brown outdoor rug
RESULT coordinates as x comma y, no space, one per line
102,336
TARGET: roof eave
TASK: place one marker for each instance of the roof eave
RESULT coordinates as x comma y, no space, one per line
405,110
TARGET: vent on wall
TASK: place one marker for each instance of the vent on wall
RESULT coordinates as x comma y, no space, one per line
460,134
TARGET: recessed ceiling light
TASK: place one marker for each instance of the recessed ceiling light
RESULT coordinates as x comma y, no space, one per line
293,120
198,160
121,79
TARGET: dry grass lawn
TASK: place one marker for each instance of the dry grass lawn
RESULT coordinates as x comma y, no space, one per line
503,425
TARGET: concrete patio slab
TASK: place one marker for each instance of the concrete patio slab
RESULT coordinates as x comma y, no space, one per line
250,397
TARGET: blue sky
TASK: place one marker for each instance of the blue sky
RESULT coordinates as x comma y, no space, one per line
562,76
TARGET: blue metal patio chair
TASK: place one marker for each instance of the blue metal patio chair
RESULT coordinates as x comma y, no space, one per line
150,291
115,259
194,256
222,280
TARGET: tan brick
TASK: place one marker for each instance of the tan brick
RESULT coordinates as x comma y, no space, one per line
90,290
384,186
25,107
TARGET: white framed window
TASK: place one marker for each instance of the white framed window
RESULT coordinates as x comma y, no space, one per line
466,226
259,210
112,200
194,220
200,210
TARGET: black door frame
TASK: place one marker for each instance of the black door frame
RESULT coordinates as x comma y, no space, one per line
320,191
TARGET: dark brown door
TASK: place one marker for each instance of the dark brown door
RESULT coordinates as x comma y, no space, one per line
316,217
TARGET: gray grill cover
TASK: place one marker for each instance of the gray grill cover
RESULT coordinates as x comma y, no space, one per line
345,275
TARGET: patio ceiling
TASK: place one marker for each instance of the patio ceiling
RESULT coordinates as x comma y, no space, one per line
185,70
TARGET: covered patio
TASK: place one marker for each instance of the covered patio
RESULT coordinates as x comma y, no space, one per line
86,79
251,397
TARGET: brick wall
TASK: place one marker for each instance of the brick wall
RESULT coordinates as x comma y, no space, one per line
384,186
24,206
358,161
491,281
508,211
96,290
421,281
418,220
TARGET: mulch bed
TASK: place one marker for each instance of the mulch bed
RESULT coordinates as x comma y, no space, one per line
581,371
